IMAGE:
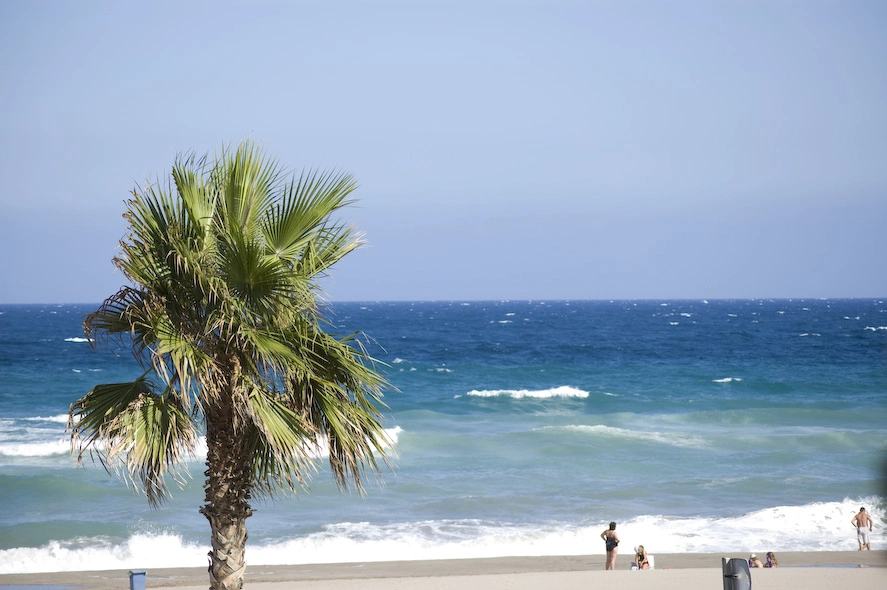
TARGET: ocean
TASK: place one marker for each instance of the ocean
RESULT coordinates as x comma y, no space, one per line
517,428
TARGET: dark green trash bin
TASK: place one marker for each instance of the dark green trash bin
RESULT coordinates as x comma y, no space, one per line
137,580
736,574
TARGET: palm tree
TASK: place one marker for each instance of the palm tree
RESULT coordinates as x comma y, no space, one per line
225,316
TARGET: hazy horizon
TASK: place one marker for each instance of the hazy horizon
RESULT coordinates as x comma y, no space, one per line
519,150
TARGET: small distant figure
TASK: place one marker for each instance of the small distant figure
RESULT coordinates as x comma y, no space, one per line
861,521
771,560
753,561
612,540
641,559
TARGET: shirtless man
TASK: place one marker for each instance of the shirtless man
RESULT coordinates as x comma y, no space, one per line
861,521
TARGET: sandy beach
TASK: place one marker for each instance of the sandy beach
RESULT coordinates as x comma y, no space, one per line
808,570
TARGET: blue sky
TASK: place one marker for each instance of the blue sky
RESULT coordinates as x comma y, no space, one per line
504,150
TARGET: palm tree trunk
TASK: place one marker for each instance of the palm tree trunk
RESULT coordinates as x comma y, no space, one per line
227,493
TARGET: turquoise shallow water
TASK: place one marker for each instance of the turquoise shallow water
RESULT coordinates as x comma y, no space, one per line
518,428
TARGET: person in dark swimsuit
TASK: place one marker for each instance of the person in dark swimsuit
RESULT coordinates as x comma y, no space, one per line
612,540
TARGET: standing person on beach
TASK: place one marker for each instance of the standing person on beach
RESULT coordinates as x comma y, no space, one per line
612,540
861,521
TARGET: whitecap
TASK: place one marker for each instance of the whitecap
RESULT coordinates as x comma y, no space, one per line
35,449
60,418
562,391
146,550
674,439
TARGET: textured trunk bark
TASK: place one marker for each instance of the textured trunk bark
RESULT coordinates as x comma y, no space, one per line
227,494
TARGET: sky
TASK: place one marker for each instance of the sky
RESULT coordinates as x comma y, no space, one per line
504,150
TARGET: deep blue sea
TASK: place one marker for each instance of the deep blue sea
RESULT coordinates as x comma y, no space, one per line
517,428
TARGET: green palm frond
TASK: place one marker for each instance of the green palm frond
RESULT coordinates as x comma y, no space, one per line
134,432
246,182
199,204
353,433
177,356
116,315
304,209
274,351
283,455
342,395
331,246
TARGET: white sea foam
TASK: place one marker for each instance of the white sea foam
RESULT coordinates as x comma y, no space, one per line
562,391
821,526
813,527
35,449
727,380
675,439
137,552
60,418
76,339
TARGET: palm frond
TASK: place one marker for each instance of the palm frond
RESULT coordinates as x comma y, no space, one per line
246,183
341,395
199,203
115,316
134,432
304,210
283,456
